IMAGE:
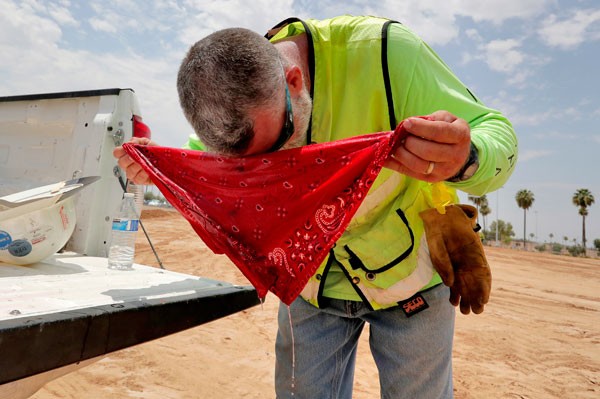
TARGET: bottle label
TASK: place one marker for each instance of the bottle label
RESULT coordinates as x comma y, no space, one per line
125,224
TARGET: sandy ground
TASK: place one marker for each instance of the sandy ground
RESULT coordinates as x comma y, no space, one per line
538,338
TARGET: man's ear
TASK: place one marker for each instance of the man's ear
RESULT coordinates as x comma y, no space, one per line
295,82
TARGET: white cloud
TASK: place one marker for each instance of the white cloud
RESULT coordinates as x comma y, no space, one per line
199,18
528,155
570,32
497,11
519,78
30,36
513,108
435,28
503,55
40,44
556,136
466,58
21,28
436,22
573,113
102,25
530,118
474,35
62,15
508,104
518,116
120,19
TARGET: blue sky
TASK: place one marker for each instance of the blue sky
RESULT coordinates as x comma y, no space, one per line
535,60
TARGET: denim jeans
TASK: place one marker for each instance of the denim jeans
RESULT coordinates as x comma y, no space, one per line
413,355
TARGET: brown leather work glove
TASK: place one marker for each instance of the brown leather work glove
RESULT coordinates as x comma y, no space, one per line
457,255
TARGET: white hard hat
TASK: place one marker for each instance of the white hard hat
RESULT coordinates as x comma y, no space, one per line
37,223
29,238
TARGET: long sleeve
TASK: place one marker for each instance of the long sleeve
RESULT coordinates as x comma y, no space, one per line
422,83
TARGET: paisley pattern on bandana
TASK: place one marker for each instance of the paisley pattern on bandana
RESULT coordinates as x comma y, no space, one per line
276,215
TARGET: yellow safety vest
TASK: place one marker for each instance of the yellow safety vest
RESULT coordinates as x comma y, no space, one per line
367,75
381,251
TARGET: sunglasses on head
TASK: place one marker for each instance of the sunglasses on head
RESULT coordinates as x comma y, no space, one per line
288,123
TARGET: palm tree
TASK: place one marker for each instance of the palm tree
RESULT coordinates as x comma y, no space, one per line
484,211
480,202
583,198
524,200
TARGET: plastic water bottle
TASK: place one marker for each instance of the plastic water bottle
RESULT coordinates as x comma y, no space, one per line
138,196
124,229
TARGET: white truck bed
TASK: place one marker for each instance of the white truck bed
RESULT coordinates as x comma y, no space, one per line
69,309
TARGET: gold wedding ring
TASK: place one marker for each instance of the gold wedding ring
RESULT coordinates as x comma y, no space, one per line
430,168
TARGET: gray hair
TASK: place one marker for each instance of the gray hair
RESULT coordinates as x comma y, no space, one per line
221,80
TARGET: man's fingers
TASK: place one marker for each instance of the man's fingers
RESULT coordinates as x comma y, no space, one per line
442,131
435,148
477,308
427,150
441,115
406,162
141,178
465,306
393,164
454,296
133,170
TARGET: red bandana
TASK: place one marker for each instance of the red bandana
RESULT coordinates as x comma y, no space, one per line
276,215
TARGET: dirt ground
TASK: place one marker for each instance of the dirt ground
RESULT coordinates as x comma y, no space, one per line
539,337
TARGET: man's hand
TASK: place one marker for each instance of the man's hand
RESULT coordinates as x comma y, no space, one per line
436,148
134,172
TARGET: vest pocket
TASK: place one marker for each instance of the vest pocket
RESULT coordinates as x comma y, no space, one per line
382,247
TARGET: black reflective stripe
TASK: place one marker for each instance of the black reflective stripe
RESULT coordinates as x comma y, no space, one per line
386,73
274,30
311,70
356,262
320,298
472,95
362,296
311,60
323,301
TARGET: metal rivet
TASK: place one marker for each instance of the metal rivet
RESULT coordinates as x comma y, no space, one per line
355,280
370,276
